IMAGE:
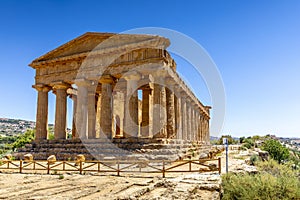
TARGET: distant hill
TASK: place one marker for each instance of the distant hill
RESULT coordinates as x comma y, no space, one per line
11,127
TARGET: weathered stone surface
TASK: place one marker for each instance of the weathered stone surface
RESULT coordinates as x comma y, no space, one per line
28,157
51,159
80,158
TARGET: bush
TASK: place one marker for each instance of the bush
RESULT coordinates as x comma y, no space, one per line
23,139
274,182
230,140
276,150
253,159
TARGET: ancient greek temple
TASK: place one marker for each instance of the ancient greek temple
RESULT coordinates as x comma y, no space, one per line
122,86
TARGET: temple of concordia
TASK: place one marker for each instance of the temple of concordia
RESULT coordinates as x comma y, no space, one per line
126,95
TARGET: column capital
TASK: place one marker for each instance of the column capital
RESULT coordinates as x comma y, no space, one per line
107,79
41,87
60,85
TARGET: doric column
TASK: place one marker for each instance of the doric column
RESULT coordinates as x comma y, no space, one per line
197,126
131,106
201,128
170,113
192,122
106,107
82,109
91,110
74,131
178,116
183,116
119,101
163,111
156,111
145,126
188,118
60,110
42,112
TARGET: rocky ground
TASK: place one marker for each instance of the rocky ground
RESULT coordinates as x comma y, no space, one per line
96,186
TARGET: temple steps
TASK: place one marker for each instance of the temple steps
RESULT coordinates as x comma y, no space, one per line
97,149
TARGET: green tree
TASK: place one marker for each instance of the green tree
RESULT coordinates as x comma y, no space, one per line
276,150
230,140
23,139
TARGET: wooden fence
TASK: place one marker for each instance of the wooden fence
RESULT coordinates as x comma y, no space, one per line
114,166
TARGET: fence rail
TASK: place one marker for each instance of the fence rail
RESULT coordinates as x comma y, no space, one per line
114,166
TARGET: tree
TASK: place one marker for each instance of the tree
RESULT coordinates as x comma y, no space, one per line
230,140
23,139
276,150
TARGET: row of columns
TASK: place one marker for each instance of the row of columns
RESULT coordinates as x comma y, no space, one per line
166,112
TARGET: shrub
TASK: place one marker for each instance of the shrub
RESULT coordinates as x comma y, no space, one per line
61,176
276,150
23,139
253,159
274,182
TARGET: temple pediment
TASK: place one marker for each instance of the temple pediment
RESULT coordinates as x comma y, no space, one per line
91,41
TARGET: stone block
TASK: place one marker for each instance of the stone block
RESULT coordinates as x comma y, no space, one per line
51,159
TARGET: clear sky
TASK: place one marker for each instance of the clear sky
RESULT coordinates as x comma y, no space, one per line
255,45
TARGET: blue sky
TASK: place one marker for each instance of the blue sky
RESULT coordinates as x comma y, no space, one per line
255,45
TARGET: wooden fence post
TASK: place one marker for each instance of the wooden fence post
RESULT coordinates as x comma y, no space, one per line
80,167
99,166
118,168
163,170
219,163
20,166
190,165
48,167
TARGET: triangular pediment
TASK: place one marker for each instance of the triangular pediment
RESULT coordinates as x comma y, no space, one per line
91,40
81,44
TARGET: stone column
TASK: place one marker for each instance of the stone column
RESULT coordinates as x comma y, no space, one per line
170,113
42,112
91,110
106,107
178,116
156,111
163,111
145,127
197,126
188,118
131,106
74,131
60,110
192,122
82,110
202,128
183,116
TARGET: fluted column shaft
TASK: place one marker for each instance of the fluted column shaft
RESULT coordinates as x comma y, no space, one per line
184,117
178,116
42,113
74,129
170,113
106,107
188,119
60,111
145,128
91,111
131,108
82,110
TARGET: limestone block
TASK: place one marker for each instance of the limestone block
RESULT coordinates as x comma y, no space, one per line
79,158
28,157
51,159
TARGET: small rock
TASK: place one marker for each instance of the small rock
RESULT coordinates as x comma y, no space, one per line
28,157
51,159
